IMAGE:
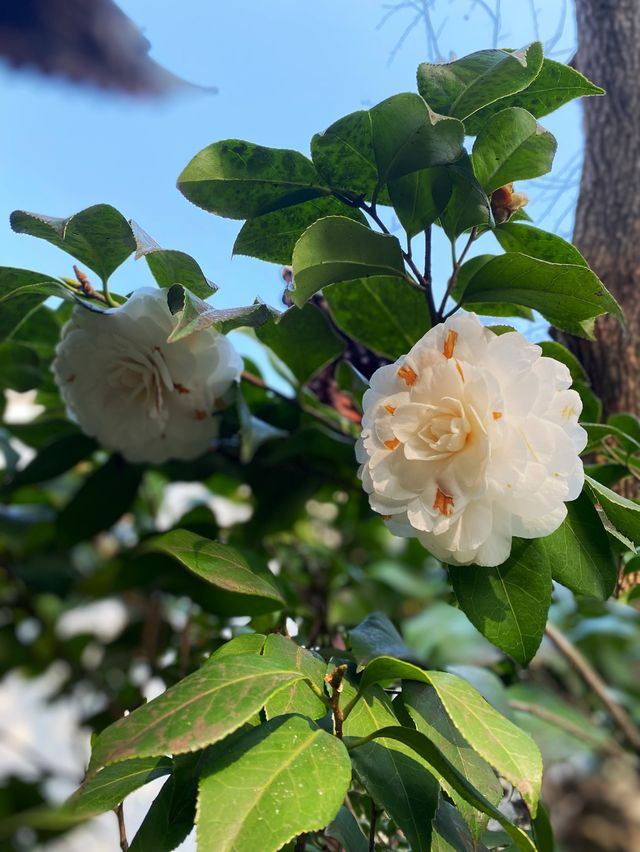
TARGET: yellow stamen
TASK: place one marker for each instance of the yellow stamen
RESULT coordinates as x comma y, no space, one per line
410,376
443,503
497,415
459,369
390,409
450,344
392,444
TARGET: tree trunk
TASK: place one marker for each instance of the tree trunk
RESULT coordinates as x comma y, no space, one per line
607,229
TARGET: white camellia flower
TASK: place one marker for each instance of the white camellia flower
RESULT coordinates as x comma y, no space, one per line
469,439
135,393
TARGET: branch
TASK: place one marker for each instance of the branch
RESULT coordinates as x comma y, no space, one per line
595,683
457,264
124,843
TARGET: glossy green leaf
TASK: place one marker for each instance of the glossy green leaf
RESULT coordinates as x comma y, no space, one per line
279,780
569,296
512,753
87,512
512,146
338,249
20,367
463,87
240,180
303,339
196,315
535,242
597,432
428,715
387,315
420,197
245,643
396,777
55,458
297,698
99,237
376,636
426,749
555,85
509,603
172,814
622,513
347,832
628,425
273,236
451,833
468,205
20,295
579,552
222,566
198,711
254,432
103,791
361,152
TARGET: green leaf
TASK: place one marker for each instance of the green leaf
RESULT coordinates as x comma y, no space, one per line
347,832
359,153
273,236
512,753
450,831
622,513
508,604
463,87
172,813
19,367
21,293
103,791
303,339
254,432
579,552
170,267
99,237
241,180
429,716
376,637
387,315
279,780
512,146
223,567
552,349
245,643
535,242
597,432
420,197
469,204
394,776
555,85
591,404
629,425
198,711
56,458
338,249
88,513
196,315
297,698
426,749
568,296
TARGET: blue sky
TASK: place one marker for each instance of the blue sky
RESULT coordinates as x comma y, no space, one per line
284,70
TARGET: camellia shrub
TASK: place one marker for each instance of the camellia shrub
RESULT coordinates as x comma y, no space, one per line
411,428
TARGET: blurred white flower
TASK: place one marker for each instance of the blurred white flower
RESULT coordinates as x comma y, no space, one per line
470,439
135,393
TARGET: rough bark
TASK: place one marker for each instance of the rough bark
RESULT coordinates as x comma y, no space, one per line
607,229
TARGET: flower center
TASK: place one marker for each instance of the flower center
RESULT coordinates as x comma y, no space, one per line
142,377
446,428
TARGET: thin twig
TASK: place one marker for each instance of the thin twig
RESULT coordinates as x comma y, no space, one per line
124,843
457,264
372,828
595,682
609,746
427,275
335,681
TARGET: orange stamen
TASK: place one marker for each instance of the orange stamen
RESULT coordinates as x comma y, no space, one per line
443,503
390,409
497,415
392,444
199,414
410,376
180,388
450,344
386,517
